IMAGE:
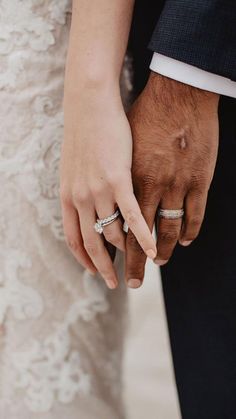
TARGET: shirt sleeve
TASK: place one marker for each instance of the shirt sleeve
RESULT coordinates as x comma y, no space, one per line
201,33
192,75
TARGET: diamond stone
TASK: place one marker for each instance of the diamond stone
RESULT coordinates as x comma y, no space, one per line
98,228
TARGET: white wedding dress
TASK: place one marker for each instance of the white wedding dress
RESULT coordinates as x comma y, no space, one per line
61,330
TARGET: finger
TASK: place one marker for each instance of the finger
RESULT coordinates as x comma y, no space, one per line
94,245
168,231
111,250
73,237
113,232
135,256
133,216
195,205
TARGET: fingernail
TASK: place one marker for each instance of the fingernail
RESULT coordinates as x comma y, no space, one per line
160,262
111,284
186,242
151,254
134,283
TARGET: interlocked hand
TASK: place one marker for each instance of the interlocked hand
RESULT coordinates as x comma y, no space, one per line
175,142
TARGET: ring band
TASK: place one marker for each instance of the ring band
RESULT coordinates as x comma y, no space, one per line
101,223
171,214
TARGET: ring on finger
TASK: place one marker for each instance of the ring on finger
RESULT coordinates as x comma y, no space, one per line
103,222
171,214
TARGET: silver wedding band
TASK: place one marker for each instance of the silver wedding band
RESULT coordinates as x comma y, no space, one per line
101,223
171,214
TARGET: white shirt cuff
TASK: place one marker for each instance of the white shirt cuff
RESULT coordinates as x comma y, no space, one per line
191,75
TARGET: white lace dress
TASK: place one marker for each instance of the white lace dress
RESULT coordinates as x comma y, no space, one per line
61,331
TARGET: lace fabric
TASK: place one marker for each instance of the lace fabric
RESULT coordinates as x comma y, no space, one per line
61,330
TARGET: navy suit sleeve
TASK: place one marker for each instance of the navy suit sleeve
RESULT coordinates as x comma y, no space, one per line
199,32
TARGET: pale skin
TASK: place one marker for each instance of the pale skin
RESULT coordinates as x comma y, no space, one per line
97,148
171,141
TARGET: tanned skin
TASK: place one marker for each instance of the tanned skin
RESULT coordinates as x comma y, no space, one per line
175,143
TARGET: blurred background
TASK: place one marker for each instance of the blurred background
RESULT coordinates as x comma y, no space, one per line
149,390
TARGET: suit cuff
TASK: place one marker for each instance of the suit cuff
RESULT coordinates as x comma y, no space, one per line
193,76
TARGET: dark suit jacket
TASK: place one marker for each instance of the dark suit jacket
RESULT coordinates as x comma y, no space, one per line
146,15
199,32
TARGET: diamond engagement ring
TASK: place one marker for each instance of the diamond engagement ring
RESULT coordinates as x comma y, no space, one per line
171,214
100,224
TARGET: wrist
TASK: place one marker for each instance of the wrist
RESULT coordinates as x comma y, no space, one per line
92,96
91,86
165,88
90,73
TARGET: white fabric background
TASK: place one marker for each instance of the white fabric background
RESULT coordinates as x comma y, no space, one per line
150,390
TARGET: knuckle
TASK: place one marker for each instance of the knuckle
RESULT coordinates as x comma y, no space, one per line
195,221
167,180
91,248
131,217
148,201
147,190
97,189
199,182
73,244
179,187
115,180
148,181
168,236
80,197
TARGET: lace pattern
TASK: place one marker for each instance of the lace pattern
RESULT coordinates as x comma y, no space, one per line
58,342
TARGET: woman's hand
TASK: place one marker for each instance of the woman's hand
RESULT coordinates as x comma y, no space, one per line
175,137
96,178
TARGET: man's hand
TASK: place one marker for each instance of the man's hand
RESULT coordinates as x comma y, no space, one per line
175,143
